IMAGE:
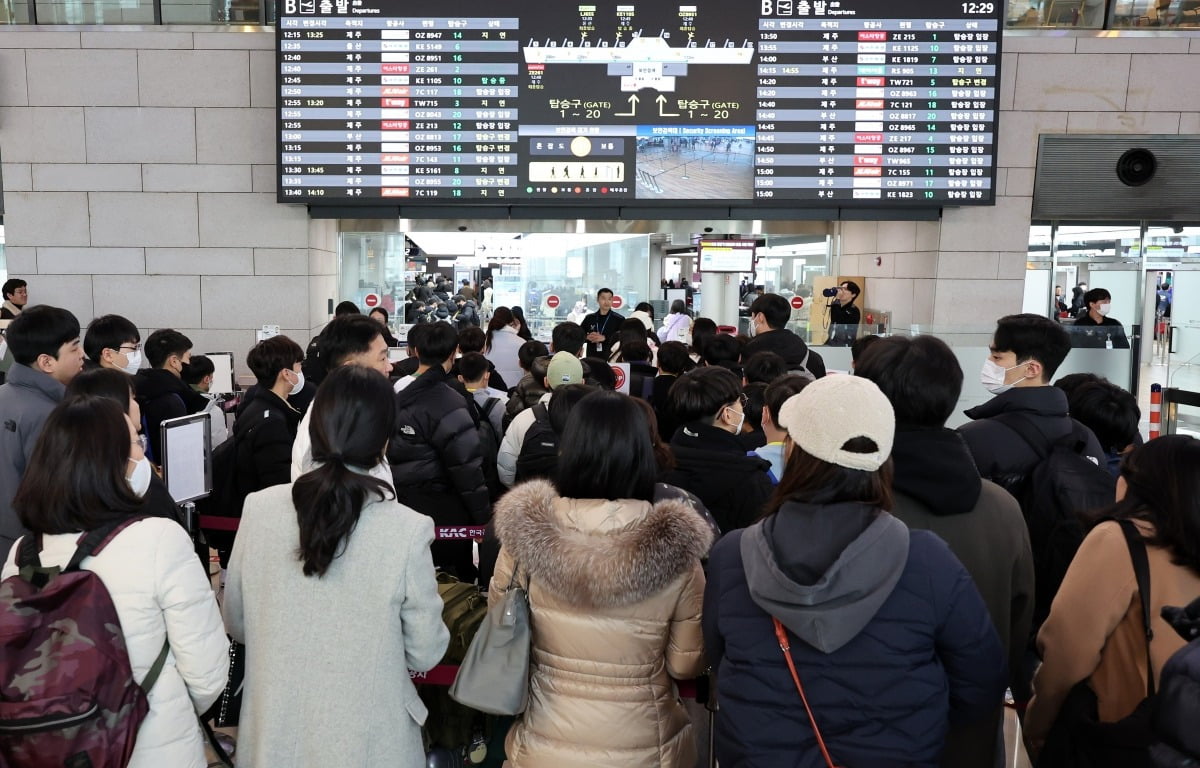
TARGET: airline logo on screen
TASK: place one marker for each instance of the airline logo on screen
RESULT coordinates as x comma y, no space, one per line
798,102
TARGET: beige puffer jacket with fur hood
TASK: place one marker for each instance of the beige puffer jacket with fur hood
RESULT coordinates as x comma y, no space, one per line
615,591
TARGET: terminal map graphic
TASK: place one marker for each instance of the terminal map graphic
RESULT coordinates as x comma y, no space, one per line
771,103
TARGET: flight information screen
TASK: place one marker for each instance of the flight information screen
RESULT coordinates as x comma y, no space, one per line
766,103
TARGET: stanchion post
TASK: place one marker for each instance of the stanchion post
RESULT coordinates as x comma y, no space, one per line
189,518
1156,397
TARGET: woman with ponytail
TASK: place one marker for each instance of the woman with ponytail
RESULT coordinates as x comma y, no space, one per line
331,587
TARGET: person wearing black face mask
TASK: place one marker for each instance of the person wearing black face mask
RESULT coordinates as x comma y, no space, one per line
160,389
844,317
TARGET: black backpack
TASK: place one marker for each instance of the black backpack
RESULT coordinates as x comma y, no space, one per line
230,488
314,366
1057,496
539,451
489,442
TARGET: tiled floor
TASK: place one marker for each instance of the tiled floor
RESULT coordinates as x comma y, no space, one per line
1015,756
1014,750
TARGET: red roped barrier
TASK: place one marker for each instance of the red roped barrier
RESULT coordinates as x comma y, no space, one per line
441,533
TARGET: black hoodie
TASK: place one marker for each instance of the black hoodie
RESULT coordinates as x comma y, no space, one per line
934,467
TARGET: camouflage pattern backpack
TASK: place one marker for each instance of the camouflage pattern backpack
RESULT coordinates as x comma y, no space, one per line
67,694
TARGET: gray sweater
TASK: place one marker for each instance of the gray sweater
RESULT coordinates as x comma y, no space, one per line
327,659
25,401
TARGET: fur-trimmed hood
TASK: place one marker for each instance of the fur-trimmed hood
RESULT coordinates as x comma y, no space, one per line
599,568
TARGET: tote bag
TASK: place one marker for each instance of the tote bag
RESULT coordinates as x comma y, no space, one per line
494,675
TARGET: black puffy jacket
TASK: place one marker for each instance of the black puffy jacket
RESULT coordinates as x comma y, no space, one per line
162,395
1178,707
265,430
790,347
435,447
713,465
529,389
999,452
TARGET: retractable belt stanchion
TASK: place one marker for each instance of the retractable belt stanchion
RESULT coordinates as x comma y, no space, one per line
190,522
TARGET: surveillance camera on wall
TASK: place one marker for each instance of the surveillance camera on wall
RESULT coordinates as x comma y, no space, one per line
1136,167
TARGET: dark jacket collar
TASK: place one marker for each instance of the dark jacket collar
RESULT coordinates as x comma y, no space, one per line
935,467
153,383
266,400
705,437
426,381
1038,401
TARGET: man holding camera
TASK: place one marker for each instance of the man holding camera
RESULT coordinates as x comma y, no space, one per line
844,317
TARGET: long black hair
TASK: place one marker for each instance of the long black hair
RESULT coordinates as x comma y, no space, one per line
501,317
519,315
1163,487
352,418
606,451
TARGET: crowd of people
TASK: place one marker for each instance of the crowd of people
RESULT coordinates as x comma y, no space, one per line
862,583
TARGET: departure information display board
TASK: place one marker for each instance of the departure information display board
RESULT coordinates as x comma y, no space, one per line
771,103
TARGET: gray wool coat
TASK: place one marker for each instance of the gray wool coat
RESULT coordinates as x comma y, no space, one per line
327,659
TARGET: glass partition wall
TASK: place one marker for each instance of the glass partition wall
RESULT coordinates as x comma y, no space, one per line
1153,275
1171,256
553,275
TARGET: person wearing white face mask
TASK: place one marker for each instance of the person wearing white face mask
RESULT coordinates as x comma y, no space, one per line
1026,350
769,316
1095,329
113,384
266,426
113,341
1010,435
88,472
710,461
